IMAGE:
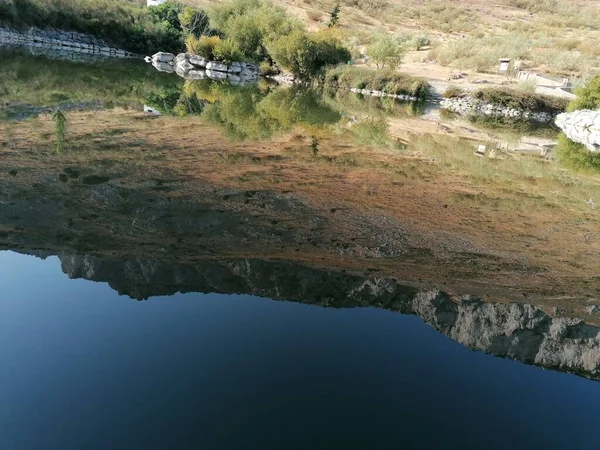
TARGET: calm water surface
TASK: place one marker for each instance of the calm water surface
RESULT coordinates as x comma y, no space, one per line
85,368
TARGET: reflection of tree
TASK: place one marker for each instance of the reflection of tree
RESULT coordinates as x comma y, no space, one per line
251,113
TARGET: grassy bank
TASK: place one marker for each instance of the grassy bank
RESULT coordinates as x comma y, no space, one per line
126,24
388,81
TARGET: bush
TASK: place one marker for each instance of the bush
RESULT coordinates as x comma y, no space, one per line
421,41
521,100
588,97
386,51
250,24
204,46
388,81
453,92
306,55
194,21
227,51
576,157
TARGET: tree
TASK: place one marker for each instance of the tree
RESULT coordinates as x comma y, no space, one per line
60,129
588,97
386,51
334,16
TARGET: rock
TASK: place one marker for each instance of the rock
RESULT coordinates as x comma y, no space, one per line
197,61
163,57
592,309
581,126
180,58
233,79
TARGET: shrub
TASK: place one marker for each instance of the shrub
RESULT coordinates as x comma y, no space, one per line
203,46
576,157
306,55
588,96
315,16
453,92
521,100
421,41
194,21
227,51
388,81
252,23
386,51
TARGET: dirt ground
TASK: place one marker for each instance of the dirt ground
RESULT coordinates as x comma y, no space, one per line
137,185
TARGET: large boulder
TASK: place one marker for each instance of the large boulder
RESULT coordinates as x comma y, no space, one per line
581,126
195,75
235,67
163,57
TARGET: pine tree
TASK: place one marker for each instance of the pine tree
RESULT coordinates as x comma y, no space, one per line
334,16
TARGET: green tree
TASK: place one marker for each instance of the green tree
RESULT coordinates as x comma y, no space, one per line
588,97
60,129
386,51
334,16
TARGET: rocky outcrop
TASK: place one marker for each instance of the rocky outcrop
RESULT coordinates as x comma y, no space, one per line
581,126
375,93
193,67
59,41
471,106
521,332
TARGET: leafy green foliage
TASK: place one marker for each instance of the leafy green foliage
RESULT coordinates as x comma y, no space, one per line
250,24
588,97
386,51
388,81
306,55
204,46
576,157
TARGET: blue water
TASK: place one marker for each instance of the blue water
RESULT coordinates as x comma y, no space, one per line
83,368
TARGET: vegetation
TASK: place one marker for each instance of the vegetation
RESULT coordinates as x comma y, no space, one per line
334,16
306,55
122,23
386,51
388,81
60,129
576,157
521,100
40,82
588,97
453,92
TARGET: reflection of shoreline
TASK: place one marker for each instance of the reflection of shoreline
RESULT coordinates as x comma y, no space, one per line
517,331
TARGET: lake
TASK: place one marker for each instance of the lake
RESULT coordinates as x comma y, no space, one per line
281,267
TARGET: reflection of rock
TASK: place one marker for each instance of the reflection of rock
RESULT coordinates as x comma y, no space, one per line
582,126
193,67
522,332
163,66
163,57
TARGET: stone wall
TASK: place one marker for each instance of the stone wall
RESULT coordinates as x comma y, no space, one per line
470,106
193,67
59,42
581,126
